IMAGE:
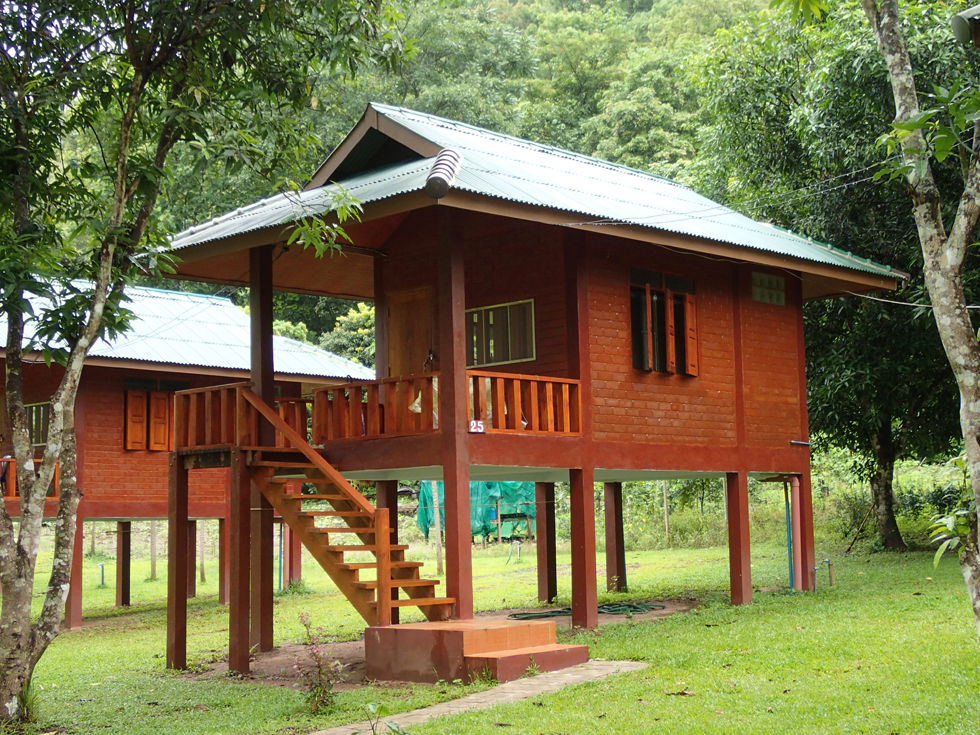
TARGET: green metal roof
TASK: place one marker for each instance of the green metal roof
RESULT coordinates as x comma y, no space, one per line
515,170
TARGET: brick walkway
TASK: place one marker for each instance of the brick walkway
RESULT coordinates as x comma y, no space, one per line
512,691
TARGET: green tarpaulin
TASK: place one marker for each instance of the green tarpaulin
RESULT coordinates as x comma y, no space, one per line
514,498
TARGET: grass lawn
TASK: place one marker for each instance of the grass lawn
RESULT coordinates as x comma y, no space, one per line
890,649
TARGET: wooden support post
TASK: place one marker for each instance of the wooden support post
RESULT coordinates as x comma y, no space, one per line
191,559
262,577
224,562
292,557
123,556
615,543
383,556
806,541
260,313
387,492
794,506
739,549
239,551
544,509
73,605
177,565
585,598
452,417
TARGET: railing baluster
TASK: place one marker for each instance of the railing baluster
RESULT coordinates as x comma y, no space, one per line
355,414
499,418
373,418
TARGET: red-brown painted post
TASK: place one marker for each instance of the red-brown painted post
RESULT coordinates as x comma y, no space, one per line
73,604
807,546
123,556
387,494
224,561
383,555
453,420
544,512
177,565
292,557
615,543
795,525
239,551
585,595
739,549
191,559
262,376
262,549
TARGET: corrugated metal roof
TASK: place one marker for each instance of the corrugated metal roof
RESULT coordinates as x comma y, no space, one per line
516,170
176,328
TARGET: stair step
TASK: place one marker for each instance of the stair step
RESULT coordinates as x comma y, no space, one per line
513,663
315,497
372,584
354,566
314,480
344,513
419,602
282,465
365,547
342,529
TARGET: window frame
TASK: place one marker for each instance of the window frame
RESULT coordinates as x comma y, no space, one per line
473,334
663,323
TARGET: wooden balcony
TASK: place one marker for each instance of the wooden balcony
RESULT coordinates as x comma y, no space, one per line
220,417
8,478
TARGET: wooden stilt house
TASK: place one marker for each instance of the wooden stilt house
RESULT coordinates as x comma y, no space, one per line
541,316
124,419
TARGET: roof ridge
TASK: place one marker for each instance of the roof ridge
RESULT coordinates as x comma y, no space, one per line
543,147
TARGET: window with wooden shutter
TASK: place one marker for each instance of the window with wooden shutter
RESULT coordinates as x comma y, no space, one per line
136,428
663,323
160,426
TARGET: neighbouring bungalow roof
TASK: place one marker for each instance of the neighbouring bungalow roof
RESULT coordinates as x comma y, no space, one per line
391,152
173,328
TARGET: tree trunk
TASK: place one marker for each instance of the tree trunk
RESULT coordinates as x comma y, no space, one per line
970,567
882,495
943,253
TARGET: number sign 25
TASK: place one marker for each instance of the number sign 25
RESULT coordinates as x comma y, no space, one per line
477,427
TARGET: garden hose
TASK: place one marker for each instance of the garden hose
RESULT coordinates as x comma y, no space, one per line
607,608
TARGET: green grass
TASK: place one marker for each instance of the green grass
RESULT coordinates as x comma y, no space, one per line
890,648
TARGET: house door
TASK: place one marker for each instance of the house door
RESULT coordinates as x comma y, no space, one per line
409,331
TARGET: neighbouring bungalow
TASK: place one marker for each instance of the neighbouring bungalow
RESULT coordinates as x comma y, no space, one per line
124,417
541,316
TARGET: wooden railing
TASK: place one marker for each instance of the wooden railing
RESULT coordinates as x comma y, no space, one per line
8,478
523,404
220,417
376,408
215,417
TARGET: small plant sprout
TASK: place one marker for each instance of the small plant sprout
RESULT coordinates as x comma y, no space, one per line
325,673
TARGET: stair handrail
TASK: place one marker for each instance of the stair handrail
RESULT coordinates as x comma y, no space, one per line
300,444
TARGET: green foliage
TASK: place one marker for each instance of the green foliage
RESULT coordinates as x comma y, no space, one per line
353,335
953,528
293,331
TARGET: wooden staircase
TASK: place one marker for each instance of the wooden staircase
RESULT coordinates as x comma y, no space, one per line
335,521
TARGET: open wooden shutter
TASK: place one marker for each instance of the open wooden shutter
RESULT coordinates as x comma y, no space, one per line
671,344
135,419
691,324
160,421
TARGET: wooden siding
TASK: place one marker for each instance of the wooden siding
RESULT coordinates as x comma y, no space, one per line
770,359
630,405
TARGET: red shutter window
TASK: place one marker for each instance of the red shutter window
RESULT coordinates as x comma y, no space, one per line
135,429
671,336
160,432
691,322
